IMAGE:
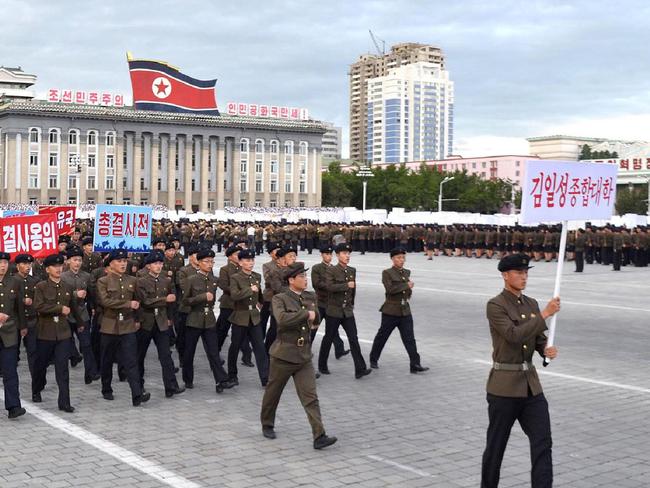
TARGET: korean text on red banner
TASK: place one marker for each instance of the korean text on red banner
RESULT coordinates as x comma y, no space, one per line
35,234
65,217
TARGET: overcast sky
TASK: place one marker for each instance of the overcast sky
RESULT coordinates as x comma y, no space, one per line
521,68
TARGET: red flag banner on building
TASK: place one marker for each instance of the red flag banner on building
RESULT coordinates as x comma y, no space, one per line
34,234
65,217
159,86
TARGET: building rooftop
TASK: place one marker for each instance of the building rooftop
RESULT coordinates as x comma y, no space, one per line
576,138
97,112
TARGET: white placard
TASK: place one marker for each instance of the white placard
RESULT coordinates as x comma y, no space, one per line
556,191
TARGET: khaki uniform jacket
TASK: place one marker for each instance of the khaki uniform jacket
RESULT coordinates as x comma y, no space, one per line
91,261
12,304
79,281
183,274
292,312
152,294
318,281
49,300
225,274
27,285
340,299
398,292
244,299
517,330
201,311
267,270
114,294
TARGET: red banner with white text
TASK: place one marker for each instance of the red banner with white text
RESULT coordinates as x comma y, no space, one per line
35,234
65,217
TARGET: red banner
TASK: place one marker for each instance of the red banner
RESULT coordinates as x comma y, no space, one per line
35,234
65,217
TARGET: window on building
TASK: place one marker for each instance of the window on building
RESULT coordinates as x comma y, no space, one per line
91,201
91,182
127,201
517,173
302,187
226,203
34,136
110,161
159,184
258,203
209,185
242,203
193,184
92,138
259,146
159,160
33,159
109,183
144,201
54,159
243,184
483,164
53,136
274,185
109,200
33,182
177,186
73,138
52,201
110,139
210,205
53,181
243,146
125,181
273,203
302,203
92,161
33,201
287,203
258,185
72,182
142,187
274,147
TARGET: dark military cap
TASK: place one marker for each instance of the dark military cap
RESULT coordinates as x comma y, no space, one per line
326,250
294,270
204,253
53,260
246,254
73,251
154,257
514,262
169,245
343,246
158,240
86,241
24,258
64,238
285,250
5,255
232,250
175,237
192,249
115,254
272,247
397,251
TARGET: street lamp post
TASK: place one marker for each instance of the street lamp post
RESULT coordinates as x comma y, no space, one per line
513,207
76,164
446,180
365,173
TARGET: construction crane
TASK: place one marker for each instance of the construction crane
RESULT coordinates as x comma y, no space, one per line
381,51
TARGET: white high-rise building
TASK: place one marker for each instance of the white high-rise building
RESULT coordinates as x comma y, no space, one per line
410,114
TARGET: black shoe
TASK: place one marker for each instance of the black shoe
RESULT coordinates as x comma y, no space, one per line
68,409
361,374
317,374
108,396
36,398
374,365
344,353
122,378
228,384
16,412
189,386
248,363
176,391
418,369
219,387
222,361
324,441
137,401
268,432
324,371
75,360
265,382
89,379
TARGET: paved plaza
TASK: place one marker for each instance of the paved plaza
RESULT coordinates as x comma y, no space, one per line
394,428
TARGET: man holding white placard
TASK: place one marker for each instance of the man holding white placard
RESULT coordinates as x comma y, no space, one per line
513,389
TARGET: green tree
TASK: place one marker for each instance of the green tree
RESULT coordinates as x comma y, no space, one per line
585,153
631,199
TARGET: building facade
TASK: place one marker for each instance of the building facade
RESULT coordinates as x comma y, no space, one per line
507,167
410,115
15,84
568,148
184,161
371,66
332,143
